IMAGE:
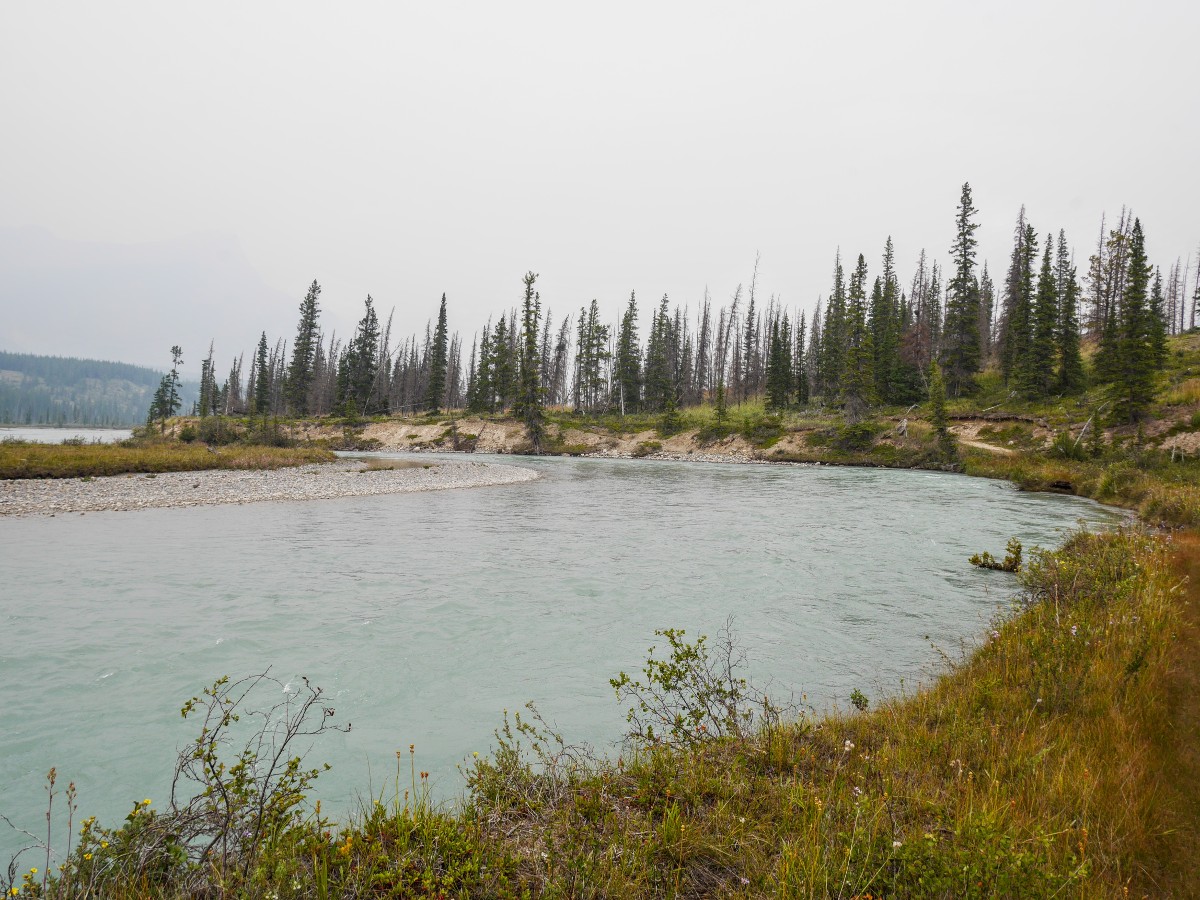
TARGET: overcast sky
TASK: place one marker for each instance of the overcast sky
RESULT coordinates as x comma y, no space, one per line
405,149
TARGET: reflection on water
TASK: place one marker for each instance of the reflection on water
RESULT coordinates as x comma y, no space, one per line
425,615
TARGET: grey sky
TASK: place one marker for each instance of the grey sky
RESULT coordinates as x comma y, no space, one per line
407,149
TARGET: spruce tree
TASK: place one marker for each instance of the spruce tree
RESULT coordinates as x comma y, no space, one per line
304,351
529,405
502,366
858,381
482,399
359,365
1133,384
800,362
960,339
833,336
779,376
174,401
1071,379
435,394
262,380
1158,322
1036,376
628,374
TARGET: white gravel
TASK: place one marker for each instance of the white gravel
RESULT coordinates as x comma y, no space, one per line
321,481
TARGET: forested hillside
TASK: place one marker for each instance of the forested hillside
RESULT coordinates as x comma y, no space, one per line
54,390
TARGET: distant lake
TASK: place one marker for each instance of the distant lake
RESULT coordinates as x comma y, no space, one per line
425,615
58,435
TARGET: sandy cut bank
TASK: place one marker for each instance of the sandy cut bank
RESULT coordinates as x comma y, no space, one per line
322,481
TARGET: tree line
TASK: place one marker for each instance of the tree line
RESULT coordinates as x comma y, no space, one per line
871,340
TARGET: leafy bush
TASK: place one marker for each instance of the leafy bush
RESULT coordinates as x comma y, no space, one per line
691,697
1012,558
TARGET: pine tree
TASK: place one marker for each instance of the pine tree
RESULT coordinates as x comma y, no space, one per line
833,335
1036,376
529,404
800,362
659,375
1133,385
960,350
207,403
779,374
359,365
858,382
885,327
987,305
262,379
628,375
435,395
304,351
1158,323
1071,379
503,367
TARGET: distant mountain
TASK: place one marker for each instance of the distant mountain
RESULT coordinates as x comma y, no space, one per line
93,299
56,390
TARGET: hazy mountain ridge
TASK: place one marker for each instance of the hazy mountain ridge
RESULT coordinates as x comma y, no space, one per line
90,299
62,390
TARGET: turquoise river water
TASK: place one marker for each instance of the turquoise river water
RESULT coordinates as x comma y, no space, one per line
423,616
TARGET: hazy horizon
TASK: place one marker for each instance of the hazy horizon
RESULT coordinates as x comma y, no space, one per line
181,177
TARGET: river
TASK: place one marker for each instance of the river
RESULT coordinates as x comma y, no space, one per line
423,616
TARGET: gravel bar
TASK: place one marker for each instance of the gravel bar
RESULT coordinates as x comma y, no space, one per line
320,481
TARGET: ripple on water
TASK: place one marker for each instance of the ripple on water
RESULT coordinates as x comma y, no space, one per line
424,615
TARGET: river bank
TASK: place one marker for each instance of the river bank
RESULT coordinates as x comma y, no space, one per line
319,481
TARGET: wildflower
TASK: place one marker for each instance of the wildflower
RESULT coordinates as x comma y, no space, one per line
849,745
1039,699
743,879
1074,630
146,802
476,754
33,871
103,844
896,845
858,792
87,856
995,634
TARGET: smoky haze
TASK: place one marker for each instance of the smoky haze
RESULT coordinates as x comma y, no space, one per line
176,174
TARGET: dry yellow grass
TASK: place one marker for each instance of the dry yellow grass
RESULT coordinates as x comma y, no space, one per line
27,460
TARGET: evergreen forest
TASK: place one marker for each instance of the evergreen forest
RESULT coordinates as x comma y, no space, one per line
55,390
872,339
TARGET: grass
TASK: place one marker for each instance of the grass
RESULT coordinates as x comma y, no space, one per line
28,460
1030,769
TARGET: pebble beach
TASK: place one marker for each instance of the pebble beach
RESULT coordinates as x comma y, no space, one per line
323,481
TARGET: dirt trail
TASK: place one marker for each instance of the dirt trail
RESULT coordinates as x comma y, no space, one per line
967,433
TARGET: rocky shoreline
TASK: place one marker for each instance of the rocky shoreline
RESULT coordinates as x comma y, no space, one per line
324,481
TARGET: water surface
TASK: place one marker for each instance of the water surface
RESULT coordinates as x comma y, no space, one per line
424,615
56,435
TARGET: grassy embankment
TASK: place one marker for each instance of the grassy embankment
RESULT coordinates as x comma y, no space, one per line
1056,760
147,452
